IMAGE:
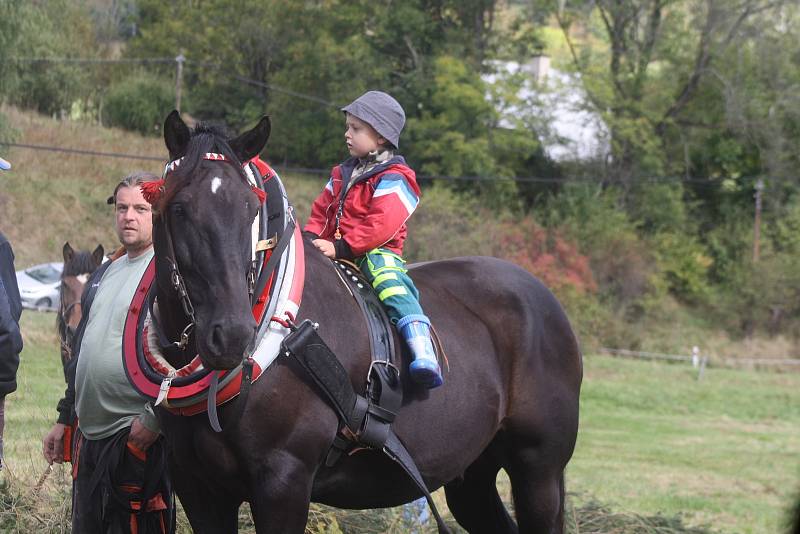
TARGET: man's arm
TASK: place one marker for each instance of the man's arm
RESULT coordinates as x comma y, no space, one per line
10,344
10,347
10,336
10,311
9,277
145,429
53,442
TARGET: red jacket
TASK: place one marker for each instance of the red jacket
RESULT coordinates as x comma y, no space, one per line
374,209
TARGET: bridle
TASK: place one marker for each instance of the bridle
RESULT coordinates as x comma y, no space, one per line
69,331
176,278
276,283
179,286
66,311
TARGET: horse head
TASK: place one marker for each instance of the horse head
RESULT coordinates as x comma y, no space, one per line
78,265
202,236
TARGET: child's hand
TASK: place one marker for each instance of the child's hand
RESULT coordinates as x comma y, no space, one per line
326,247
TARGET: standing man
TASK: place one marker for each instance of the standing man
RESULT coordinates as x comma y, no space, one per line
10,337
119,471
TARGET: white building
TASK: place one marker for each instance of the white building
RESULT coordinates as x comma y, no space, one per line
554,104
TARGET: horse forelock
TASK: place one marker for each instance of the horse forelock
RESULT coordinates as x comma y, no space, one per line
204,138
81,263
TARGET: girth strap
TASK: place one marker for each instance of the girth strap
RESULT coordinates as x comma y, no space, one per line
368,423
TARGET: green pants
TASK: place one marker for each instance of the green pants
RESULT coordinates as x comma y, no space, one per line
386,271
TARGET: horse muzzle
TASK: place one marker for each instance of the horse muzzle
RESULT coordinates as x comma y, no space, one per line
223,342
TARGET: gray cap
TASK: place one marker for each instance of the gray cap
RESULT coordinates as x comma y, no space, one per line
380,111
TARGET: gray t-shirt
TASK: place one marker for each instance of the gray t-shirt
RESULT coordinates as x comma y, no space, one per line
105,400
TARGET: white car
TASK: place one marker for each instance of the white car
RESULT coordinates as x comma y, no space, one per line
39,286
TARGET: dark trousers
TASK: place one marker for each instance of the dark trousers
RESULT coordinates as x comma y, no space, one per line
117,490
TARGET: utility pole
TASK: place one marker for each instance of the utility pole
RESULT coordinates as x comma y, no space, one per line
757,224
180,59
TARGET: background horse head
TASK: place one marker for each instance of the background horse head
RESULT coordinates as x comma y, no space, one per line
509,401
78,266
202,237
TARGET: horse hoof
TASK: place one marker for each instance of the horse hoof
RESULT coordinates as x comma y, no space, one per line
426,373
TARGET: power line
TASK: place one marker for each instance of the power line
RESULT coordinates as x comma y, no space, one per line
289,92
237,77
80,151
258,83
325,172
86,60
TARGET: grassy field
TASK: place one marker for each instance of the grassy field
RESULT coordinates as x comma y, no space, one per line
719,454
723,451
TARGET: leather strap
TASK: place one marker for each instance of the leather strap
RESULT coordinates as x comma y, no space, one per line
307,348
395,450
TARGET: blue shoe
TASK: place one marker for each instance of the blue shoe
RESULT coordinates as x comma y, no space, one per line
424,370
426,373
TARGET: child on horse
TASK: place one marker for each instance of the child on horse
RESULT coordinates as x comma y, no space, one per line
361,216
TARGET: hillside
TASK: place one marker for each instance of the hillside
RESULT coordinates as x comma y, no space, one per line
52,197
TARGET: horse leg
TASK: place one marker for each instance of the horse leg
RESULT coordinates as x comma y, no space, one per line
281,495
537,484
209,512
474,502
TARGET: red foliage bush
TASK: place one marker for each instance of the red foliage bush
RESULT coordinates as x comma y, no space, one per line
545,254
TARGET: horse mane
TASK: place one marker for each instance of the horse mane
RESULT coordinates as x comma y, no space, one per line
204,138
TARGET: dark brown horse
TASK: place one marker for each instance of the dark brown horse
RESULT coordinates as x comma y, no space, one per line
78,266
510,398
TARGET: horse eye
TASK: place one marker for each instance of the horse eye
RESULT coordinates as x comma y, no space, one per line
178,209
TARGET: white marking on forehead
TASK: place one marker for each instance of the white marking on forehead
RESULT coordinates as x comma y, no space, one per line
83,278
215,183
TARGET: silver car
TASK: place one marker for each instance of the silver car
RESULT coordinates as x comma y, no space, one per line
39,285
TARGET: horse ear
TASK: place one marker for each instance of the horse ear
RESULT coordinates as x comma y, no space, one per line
67,252
250,143
176,135
98,254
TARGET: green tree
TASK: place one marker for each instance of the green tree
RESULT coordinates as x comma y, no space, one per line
426,53
139,103
645,62
51,29
9,29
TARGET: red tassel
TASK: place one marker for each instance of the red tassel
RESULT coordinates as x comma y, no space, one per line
151,191
262,196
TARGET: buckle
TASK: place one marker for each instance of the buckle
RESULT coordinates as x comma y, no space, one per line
387,363
267,244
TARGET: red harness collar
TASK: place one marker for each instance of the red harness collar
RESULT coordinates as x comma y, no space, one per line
191,398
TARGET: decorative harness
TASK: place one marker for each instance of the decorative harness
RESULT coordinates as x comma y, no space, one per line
275,285
276,290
